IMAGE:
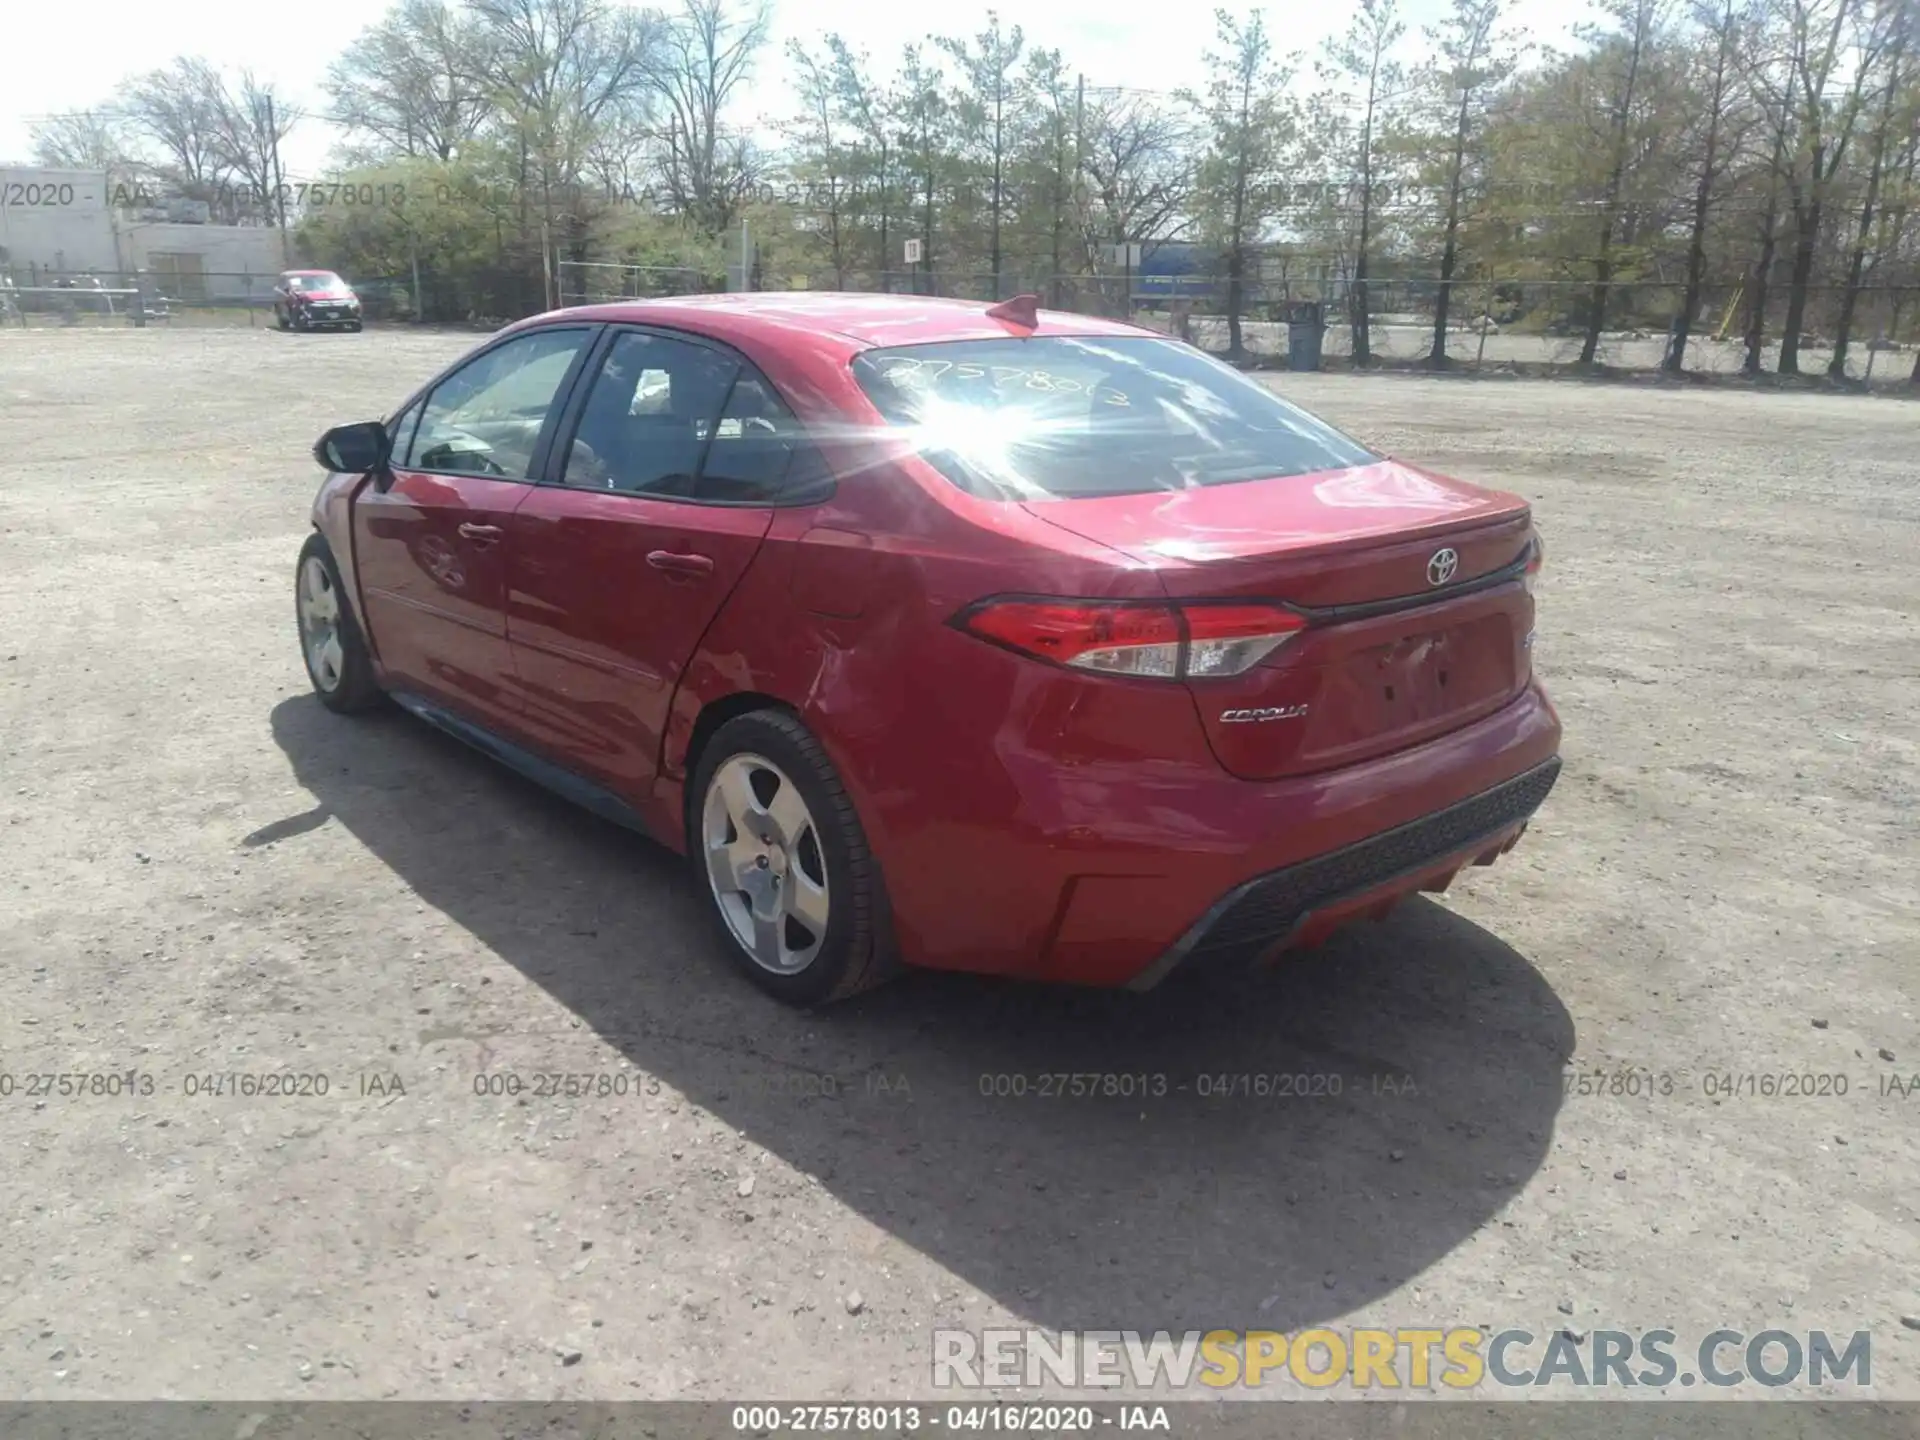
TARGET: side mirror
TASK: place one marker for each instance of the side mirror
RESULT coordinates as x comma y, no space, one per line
353,449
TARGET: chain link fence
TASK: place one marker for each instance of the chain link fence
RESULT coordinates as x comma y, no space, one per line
35,295
1494,323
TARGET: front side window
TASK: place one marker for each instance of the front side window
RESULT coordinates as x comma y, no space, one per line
1059,417
486,417
402,430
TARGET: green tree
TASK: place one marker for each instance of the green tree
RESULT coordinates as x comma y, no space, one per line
1475,57
923,115
873,112
1368,87
987,105
820,161
1250,122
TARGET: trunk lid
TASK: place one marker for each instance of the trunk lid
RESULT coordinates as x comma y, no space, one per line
1401,646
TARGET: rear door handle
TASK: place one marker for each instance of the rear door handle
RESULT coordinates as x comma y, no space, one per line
675,562
480,534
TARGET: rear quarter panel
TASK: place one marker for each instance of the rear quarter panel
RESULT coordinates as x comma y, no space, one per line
967,765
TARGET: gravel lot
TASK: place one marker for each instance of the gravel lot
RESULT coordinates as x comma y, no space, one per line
205,874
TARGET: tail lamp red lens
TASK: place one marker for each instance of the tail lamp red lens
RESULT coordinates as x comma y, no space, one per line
1536,560
1154,641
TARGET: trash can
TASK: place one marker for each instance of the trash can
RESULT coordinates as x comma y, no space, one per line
1306,324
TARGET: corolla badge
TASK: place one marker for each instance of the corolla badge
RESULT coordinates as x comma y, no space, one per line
1441,566
1258,717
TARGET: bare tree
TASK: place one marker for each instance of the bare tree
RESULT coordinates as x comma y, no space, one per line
1760,278
1720,26
554,70
620,150
93,140
1816,113
177,108
1136,156
1892,110
706,53
1629,47
416,82
252,121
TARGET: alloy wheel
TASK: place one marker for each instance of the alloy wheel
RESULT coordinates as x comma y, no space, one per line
765,865
320,625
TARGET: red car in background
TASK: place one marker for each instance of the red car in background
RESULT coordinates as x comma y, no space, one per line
987,639
314,300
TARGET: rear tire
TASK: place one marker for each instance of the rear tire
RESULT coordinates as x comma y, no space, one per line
794,891
339,665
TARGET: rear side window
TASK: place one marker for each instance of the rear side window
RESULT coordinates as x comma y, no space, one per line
648,416
1059,417
752,453
678,420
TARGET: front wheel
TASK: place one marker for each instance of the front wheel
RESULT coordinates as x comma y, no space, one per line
335,652
776,843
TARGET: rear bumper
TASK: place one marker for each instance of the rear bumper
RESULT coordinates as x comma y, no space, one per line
1054,853
1263,865
1272,910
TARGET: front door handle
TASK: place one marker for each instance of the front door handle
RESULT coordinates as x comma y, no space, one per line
480,534
675,562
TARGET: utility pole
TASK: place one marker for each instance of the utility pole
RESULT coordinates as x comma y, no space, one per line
1079,122
278,205
413,255
1079,168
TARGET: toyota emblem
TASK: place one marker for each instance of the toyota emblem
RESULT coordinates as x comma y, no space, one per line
1441,567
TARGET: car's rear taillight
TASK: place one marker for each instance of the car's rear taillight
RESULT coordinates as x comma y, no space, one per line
1232,639
1536,559
1155,641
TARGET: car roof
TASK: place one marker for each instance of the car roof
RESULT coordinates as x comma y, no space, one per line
860,320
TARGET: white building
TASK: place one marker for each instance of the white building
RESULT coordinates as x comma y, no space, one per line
55,223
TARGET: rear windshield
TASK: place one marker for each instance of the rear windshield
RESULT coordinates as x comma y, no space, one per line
1060,417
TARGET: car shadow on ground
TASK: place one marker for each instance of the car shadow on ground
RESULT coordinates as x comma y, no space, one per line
1294,1145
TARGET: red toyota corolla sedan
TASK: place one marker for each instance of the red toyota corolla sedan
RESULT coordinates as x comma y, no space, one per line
989,639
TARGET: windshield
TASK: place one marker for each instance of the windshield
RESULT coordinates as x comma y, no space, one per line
1059,417
317,282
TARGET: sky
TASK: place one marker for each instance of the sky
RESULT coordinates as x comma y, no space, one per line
80,51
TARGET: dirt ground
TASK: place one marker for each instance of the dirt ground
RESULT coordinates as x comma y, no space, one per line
205,875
